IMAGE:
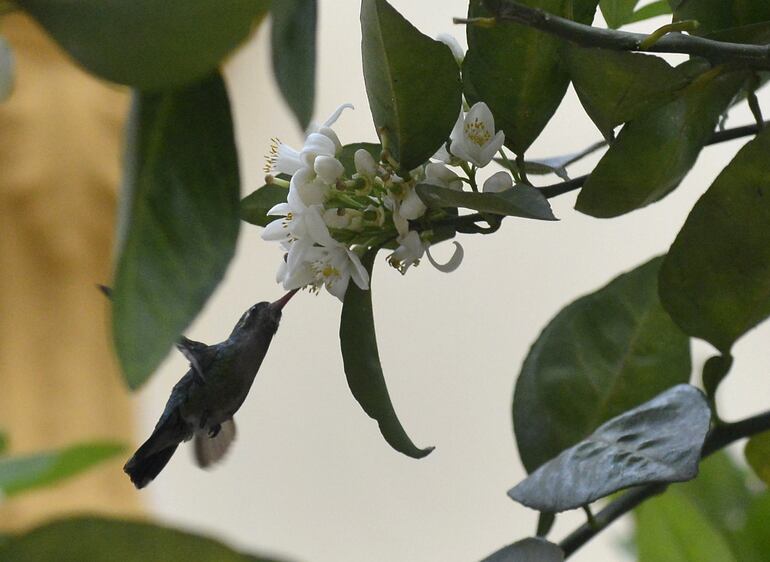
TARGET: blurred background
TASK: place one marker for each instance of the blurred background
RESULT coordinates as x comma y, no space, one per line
310,478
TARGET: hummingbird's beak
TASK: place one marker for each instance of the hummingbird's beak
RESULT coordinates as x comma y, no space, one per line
280,303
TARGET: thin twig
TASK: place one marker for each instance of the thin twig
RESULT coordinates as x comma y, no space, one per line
719,438
754,56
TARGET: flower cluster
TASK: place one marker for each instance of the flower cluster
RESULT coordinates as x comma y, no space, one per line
333,215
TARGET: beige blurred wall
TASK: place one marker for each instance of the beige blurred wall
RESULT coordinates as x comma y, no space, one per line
310,476
59,167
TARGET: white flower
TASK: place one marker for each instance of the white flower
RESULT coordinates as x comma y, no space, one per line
329,169
300,222
350,219
409,252
473,138
311,189
454,45
411,206
439,175
500,181
366,166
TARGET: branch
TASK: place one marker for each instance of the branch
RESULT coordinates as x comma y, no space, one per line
754,56
720,437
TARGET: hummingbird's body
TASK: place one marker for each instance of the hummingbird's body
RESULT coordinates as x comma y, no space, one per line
205,399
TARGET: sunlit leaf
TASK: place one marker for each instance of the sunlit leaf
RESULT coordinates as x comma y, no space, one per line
659,441
179,219
362,365
413,112
714,281
600,356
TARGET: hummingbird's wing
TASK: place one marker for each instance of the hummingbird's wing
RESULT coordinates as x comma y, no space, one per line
209,450
198,354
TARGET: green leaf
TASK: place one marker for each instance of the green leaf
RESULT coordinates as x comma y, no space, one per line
412,82
95,539
254,207
520,201
3,443
659,8
659,441
715,15
617,12
615,87
532,549
669,527
145,43
23,473
654,152
518,71
361,358
715,369
6,70
714,281
179,219
600,356
347,153
757,453
753,540
293,43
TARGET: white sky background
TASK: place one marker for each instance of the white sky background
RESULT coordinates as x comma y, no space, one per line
310,477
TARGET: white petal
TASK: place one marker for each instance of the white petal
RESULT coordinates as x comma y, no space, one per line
336,115
412,206
334,219
316,227
281,210
488,151
457,130
283,270
358,271
498,182
465,150
294,200
453,263
316,144
327,131
275,231
441,176
480,112
365,163
442,154
287,160
328,168
457,51
339,286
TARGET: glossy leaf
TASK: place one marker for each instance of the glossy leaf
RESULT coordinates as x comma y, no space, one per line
95,539
145,43
654,152
659,441
600,356
518,71
669,527
6,70
615,86
22,473
179,219
347,154
361,359
714,15
528,550
714,281
293,43
254,207
617,12
414,113
757,453
520,201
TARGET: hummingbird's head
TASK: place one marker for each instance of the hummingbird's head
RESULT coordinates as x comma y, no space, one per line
263,316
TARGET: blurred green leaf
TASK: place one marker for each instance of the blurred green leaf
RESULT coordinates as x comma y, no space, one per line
361,358
412,82
23,473
615,87
293,44
752,538
714,15
599,357
6,70
179,219
3,443
519,71
654,152
669,527
148,44
533,549
520,201
347,154
715,369
92,539
659,8
757,454
659,441
617,12
254,207
714,279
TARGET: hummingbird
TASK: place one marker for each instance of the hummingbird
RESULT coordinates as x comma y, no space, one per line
203,402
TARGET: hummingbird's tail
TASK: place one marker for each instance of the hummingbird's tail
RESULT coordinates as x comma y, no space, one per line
142,468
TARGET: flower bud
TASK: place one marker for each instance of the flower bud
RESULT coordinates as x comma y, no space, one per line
365,163
328,168
501,181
